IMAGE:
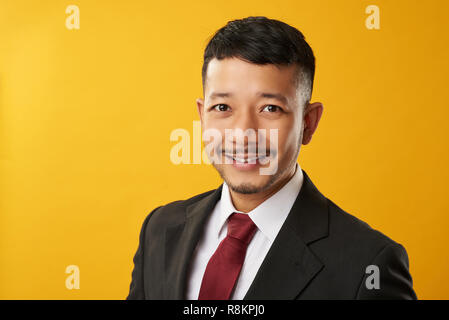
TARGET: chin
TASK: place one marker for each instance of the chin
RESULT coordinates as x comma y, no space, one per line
245,188
247,184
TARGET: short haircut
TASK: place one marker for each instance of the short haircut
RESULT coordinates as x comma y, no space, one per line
261,40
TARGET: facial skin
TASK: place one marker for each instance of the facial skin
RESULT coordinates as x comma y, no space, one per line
245,108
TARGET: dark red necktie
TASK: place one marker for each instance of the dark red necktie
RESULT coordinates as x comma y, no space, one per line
225,264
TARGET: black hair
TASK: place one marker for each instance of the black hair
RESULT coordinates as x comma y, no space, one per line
261,40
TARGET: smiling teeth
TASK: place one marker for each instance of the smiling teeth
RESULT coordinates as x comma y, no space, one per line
245,160
240,160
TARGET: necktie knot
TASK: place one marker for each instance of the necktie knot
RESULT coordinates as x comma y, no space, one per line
241,227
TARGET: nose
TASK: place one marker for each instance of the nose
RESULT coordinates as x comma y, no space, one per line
245,119
245,127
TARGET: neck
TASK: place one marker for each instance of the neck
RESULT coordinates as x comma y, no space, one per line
247,202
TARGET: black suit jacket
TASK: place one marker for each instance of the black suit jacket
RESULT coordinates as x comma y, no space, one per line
321,252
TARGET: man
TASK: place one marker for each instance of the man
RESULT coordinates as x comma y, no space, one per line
262,236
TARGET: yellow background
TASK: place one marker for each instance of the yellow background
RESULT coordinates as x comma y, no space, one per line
86,117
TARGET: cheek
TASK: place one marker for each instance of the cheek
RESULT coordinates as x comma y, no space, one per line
287,143
212,137
214,124
288,137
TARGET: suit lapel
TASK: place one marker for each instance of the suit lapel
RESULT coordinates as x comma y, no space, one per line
180,242
287,269
290,264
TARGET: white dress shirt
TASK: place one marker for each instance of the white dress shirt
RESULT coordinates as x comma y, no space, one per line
269,217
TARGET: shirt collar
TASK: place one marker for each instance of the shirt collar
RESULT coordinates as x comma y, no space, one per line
270,215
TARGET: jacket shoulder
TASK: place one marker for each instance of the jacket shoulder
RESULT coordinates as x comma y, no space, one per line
349,231
350,249
172,212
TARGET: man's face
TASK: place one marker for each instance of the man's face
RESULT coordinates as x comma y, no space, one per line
242,95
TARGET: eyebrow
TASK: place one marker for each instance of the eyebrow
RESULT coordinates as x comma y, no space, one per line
276,96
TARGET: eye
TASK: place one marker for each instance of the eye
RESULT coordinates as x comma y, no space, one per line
271,108
220,107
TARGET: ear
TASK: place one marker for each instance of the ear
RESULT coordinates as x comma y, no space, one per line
312,116
200,107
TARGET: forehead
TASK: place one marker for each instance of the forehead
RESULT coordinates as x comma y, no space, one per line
236,75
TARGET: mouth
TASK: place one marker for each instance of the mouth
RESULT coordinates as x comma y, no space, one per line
247,158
